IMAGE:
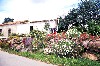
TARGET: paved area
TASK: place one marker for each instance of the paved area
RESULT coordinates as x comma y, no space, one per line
7,59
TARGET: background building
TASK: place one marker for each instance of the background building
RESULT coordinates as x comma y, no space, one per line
24,27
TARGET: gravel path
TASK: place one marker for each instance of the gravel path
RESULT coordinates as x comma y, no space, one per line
7,59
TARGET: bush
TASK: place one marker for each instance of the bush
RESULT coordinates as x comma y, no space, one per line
68,49
12,37
22,35
37,44
14,34
39,39
4,44
1,34
93,27
38,34
73,32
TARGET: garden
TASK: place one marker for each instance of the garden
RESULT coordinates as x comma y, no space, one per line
69,48
76,43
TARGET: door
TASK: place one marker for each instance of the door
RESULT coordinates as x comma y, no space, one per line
9,32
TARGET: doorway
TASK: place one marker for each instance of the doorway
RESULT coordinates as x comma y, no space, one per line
31,28
9,32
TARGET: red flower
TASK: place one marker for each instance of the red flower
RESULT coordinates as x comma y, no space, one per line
92,37
63,34
55,32
84,36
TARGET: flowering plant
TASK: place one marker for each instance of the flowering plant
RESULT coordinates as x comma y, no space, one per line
67,49
39,39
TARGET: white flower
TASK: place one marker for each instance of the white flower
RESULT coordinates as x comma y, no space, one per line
56,45
64,46
70,47
67,51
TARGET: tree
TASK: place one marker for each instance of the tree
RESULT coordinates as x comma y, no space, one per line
6,20
87,11
93,27
62,26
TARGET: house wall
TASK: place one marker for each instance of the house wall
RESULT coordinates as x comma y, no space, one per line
25,28
6,27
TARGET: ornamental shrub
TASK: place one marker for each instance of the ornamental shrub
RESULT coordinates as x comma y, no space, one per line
39,39
68,49
73,32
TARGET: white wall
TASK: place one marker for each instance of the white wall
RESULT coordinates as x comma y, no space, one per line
25,28
53,24
6,27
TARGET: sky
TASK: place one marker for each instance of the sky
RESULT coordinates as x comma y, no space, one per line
35,9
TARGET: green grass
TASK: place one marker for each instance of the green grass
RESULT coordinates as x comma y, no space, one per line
53,59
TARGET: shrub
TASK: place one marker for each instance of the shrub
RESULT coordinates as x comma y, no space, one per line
4,44
39,39
22,35
38,34
14,34
46,26
37,44
93,27
12,37
1,34
68,49
73,32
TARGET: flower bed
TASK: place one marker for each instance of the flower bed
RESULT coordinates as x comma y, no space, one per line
57,45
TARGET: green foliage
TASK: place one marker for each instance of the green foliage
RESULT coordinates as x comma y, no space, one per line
87,11
4,44
68,49
73,33
39,38
22,35
14,34
17,35
6,20
47,25
1,34
93,27
62,26
40,35
57,60
63,47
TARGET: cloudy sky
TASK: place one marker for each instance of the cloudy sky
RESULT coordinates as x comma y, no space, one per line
35,9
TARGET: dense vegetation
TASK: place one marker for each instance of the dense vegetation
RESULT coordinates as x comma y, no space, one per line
6,20
74,46
58,49
86,17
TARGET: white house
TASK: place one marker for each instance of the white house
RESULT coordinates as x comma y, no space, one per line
24,27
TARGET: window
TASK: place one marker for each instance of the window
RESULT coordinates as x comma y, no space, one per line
31,28
0,31
9,32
